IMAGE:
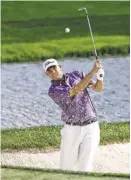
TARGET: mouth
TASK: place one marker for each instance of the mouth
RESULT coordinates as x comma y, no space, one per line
54,76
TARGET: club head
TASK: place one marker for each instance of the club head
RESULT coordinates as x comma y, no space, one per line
83,9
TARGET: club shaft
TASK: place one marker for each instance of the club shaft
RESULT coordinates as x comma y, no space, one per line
84,9
101,75
92,36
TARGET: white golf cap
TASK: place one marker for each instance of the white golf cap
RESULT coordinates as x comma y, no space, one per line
48,63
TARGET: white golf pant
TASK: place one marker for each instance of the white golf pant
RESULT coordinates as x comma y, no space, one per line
78,146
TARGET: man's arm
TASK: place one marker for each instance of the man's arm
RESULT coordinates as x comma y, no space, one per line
98,86
84,82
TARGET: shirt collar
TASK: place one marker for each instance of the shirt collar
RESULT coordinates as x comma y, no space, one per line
58,82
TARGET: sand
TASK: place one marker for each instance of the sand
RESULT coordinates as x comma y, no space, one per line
113,158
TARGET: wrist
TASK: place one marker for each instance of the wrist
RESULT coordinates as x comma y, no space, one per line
100,75
100,78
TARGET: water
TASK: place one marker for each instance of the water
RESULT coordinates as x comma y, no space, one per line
25,102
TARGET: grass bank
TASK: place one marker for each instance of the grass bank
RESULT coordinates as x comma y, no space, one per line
75,47
32,31
40,174
48,137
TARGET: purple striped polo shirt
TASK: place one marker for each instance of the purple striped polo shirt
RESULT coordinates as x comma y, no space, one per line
74,108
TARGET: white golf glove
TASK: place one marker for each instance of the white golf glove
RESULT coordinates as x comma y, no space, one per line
100,74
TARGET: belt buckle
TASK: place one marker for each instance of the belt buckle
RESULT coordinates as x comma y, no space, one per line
90,121
71,124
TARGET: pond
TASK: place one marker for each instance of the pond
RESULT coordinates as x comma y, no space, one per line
25,102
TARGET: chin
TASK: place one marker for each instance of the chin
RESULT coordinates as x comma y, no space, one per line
57,77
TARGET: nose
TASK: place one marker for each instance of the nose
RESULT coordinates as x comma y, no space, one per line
52,71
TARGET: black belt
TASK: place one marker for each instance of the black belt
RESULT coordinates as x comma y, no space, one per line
81,123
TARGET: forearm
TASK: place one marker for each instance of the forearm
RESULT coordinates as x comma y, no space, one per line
99,85
82,84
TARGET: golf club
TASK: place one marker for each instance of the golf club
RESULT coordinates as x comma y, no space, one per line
84,9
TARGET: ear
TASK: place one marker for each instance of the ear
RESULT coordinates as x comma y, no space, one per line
60,66
47,73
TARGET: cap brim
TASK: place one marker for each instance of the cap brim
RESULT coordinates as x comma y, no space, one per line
49,65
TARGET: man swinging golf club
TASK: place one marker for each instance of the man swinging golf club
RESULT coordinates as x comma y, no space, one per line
80,135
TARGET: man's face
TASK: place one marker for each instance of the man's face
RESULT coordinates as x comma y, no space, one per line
55,72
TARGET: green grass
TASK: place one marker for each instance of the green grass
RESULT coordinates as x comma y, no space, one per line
25,10
35,30
61,48
44,30
48,137
20,173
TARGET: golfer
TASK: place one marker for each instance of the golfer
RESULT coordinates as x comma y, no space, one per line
80,135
